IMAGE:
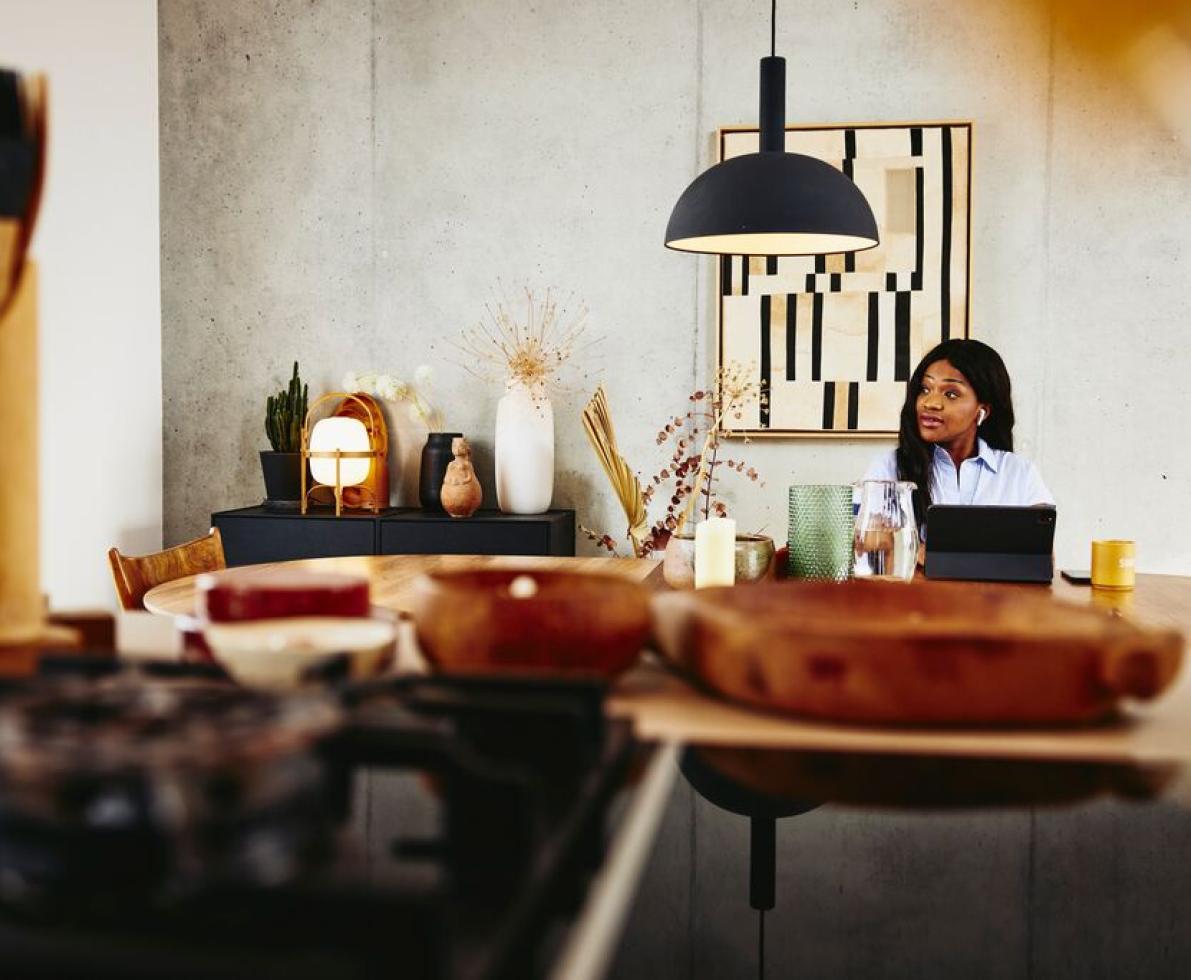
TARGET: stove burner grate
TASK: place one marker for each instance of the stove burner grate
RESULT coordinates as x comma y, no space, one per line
470,813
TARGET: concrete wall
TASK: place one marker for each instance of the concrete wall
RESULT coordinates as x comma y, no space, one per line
343,181
98,247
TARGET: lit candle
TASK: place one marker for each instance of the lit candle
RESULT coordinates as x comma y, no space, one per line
715,552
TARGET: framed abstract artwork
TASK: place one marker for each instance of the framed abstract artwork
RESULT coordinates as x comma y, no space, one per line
834,338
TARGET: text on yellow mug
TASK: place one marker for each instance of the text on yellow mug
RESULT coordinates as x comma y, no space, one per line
1113,564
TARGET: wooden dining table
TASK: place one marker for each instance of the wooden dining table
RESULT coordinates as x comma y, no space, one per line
391,577
664,705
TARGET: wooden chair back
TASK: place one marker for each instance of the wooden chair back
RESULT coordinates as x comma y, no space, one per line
135,575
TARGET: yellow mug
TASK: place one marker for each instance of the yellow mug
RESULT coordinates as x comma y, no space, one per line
1113,564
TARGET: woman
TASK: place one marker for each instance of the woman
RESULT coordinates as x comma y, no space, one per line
956,438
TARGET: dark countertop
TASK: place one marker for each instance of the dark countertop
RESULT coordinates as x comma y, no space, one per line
1085,875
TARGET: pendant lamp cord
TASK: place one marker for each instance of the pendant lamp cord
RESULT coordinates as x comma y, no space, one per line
761,946
773,29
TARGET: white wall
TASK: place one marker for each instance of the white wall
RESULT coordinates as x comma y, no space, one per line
98,248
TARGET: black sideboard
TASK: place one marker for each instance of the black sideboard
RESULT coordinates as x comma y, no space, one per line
252,535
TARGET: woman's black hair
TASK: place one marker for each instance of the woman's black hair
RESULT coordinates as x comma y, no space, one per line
986,373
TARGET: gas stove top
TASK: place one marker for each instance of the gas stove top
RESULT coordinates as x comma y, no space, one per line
161,822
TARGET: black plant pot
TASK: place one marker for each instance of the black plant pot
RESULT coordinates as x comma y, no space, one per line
283,480
436,456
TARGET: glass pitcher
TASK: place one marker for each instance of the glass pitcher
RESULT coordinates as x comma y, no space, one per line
886,539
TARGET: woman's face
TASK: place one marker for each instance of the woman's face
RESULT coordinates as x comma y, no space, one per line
947,405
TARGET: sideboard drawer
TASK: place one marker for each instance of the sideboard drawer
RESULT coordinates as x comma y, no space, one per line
485,533
252,535
250,540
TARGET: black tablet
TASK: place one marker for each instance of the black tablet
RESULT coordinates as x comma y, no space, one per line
990,543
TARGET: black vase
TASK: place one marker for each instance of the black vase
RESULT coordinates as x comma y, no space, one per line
283,480
436,456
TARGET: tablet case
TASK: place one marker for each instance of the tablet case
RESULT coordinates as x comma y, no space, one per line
990,543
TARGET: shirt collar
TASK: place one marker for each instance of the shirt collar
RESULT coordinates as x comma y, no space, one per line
984,452
987,454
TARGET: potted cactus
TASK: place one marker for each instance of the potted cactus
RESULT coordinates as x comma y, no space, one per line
282,466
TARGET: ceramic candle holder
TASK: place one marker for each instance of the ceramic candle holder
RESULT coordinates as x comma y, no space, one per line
754,560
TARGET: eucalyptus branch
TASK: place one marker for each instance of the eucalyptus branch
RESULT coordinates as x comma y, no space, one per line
701,475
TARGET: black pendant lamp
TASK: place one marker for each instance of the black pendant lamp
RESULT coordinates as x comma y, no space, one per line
772,202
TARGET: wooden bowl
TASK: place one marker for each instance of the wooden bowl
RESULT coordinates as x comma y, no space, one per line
927,653
496,620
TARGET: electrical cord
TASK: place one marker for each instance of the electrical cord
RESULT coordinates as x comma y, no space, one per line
761,933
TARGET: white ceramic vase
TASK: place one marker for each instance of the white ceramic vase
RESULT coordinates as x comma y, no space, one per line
524,451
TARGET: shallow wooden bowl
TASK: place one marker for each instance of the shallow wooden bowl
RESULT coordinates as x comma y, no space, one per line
497,620
926,653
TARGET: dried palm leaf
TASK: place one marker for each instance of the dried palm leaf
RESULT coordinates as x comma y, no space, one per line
597,422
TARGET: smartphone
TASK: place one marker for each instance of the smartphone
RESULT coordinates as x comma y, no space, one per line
1079,576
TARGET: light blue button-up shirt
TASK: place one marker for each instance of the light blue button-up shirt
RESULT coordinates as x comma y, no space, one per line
992,476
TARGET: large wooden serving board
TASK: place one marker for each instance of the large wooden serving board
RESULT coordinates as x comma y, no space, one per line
933,653
666,704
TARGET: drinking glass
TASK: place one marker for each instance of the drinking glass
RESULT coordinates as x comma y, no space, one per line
820,533
886,541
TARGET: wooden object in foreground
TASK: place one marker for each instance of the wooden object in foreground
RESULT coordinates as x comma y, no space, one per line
133,576
22,616
22,659
95,628
496,620
10,239
931,653
86,633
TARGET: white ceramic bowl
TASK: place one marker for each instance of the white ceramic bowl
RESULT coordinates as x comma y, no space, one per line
276,653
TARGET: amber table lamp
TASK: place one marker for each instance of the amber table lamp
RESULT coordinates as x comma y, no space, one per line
347,452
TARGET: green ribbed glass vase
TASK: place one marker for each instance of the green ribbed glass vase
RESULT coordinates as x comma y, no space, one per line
821,529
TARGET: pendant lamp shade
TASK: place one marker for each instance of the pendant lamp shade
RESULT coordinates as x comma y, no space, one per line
772,202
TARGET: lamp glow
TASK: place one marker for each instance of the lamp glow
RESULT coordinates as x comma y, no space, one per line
338,434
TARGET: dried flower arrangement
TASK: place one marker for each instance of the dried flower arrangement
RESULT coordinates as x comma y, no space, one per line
533,350
597,422
688,478
392,389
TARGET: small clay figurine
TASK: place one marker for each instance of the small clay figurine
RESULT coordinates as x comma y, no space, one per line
461,491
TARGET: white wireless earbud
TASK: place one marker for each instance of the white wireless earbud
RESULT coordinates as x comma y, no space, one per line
980,417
